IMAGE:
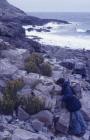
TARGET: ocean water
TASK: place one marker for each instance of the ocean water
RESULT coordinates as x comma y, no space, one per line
82,18
75,35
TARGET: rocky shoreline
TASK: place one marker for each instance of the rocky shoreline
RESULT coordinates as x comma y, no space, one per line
74,65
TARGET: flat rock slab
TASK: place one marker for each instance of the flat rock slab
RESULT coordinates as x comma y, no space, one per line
6,68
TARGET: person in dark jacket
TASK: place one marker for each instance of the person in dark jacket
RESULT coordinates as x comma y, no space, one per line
77,124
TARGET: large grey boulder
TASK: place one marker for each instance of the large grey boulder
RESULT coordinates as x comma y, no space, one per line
6,68
32,79
61,121
19,74
16,53
21,134
5,135
44,116
44,89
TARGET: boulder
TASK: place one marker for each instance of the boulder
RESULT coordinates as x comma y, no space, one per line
6,68
44,116
56,75
21,134
22,115
86,103
77,90
80,69
25,91
15,54
37,125
32,79
5,135
19,74
86,135
11,29
44,89
68,63
61,121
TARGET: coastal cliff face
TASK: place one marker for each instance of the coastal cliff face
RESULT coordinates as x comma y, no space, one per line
8,10
21,76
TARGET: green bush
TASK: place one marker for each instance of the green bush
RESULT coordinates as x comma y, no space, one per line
31,67
32,105
36,58
7,106
35,63
46,69
10,98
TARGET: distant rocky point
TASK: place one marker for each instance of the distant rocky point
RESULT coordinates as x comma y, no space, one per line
8,10
10,13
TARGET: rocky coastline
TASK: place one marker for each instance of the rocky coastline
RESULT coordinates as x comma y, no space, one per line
37,82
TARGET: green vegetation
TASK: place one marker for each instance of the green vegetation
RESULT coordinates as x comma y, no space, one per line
31,67
35,63
46,69
32,105
10,99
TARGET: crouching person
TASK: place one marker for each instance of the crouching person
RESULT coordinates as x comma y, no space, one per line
77,124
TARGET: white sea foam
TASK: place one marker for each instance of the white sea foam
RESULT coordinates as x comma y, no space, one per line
48,38
81,30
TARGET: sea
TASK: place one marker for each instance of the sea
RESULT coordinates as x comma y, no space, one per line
75,35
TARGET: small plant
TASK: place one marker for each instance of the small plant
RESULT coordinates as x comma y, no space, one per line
36,58
31,67
10,99
46,69
32,105
7,106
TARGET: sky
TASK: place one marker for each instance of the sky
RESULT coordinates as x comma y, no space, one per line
52,5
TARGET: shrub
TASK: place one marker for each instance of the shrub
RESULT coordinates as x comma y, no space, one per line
10,99
46,69
31,67
32,105
7,106
36,58
12,87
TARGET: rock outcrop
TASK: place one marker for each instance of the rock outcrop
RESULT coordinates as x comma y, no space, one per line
9,11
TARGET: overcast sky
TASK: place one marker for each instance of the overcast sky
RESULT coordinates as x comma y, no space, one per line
52,5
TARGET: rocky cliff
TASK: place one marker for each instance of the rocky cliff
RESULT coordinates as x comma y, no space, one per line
8,10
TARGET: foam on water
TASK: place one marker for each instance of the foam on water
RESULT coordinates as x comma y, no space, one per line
62,40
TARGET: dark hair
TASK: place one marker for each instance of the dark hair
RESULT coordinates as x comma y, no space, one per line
60,81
